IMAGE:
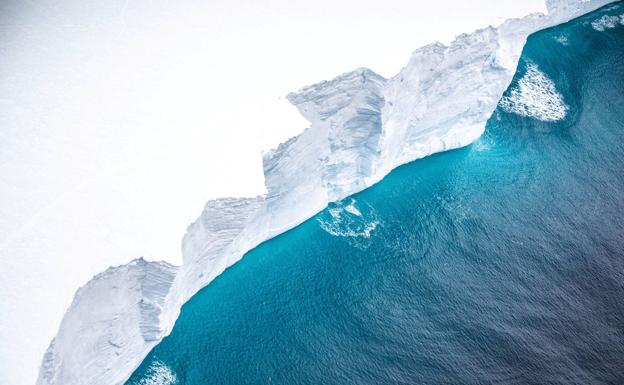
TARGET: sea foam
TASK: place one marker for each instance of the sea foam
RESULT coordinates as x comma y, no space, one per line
607,22
535,96
159,374
562,39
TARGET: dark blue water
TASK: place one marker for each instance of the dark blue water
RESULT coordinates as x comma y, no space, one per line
499,263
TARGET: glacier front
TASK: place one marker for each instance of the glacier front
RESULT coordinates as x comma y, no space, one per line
361,127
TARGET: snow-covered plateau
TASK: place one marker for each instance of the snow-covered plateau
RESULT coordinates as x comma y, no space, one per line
361,127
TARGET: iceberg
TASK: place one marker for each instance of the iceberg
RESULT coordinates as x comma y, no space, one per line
362,126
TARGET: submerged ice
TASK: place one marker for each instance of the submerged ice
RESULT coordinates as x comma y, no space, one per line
362,126
346,219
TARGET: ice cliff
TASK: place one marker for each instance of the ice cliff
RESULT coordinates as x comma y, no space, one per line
361,127
112,319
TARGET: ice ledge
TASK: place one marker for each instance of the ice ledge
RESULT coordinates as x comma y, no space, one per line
115,315
361,127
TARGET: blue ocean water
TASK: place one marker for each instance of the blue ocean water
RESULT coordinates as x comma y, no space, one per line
498,263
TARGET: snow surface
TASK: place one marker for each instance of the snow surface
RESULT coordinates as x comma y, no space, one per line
361,127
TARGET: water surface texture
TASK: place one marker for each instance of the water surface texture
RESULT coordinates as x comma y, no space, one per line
499,263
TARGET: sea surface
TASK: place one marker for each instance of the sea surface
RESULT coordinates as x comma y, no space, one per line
498,263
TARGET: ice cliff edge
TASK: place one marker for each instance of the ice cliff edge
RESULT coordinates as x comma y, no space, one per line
361,127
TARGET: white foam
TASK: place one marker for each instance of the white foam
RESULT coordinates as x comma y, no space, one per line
535,96
607,22
159,374
562,39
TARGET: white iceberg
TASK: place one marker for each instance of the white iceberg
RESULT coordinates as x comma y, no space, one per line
361,127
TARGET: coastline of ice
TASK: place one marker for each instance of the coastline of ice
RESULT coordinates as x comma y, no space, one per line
361,127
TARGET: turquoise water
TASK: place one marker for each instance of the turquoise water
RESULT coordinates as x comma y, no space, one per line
499,263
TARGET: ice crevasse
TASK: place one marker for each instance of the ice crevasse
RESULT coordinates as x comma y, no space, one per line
361,127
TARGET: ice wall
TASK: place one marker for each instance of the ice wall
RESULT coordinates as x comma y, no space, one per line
113,320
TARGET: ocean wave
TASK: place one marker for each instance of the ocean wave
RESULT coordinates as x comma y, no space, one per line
535,96
345,219
607,22
159,374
